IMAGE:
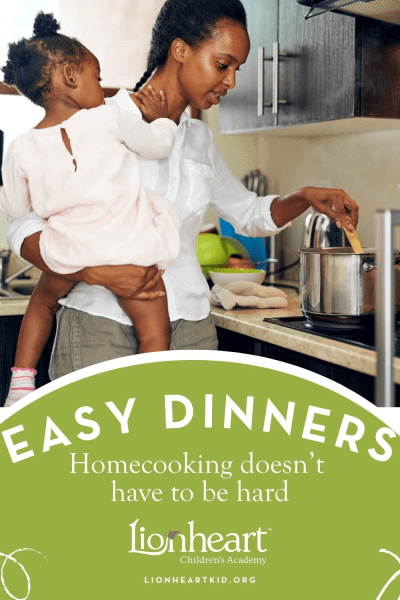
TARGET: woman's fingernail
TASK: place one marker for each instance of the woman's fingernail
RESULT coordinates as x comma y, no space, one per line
149,86
338,224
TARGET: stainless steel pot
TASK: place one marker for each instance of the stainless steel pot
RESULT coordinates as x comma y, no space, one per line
337,286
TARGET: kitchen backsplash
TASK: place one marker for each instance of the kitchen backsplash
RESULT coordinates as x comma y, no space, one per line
366,165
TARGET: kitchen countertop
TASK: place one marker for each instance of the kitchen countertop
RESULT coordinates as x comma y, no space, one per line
13,306
18,305
249,322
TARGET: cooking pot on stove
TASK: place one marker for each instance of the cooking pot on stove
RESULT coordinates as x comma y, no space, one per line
337,286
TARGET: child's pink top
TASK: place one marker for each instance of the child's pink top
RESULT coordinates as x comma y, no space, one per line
98,212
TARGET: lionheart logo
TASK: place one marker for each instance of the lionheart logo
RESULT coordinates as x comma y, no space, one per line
155,544
392,578
10,557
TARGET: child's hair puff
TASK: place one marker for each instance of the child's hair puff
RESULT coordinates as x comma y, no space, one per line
31,62
45,24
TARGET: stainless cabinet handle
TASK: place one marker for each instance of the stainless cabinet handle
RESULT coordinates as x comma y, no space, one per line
260,79
260,82
275,78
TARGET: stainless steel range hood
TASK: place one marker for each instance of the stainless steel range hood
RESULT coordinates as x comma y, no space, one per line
383,10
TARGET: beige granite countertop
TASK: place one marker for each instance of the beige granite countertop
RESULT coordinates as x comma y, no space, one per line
18,304
13,306
250,322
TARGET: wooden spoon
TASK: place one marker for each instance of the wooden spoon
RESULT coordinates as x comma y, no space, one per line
354,241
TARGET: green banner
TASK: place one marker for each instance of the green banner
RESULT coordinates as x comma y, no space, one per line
198,474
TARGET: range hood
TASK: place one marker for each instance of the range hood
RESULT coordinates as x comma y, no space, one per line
383,10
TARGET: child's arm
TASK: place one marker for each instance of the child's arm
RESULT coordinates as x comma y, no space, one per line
15,200
154,140
152,104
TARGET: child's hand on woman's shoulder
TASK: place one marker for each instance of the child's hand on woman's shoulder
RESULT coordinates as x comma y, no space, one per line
153,105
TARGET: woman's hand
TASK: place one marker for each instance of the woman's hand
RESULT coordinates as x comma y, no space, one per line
336,204
126,281
153,105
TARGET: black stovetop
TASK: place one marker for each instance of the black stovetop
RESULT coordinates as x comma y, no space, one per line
364,337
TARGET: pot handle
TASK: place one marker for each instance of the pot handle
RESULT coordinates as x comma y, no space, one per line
367,267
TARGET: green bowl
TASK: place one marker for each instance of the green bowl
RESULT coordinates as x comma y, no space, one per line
215,250
207,268
224,276
227,270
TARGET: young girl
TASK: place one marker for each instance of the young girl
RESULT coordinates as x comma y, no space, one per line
77,169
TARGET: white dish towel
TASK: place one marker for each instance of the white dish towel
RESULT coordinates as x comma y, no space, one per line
248,293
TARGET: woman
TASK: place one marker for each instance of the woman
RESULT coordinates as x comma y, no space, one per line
197,46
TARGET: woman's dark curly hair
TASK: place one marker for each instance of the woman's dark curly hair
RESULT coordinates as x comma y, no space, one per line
193,21
31,63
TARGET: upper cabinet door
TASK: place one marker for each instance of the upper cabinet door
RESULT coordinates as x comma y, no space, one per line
317,78
327,68
380,70
239,110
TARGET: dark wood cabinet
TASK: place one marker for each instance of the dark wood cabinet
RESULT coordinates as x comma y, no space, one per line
319,78
329,67
362,384
380,72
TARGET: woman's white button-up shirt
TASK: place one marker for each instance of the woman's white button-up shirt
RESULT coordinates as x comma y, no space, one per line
192,177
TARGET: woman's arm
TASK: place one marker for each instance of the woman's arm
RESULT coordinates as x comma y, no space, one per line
336,204
127,281
256,216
